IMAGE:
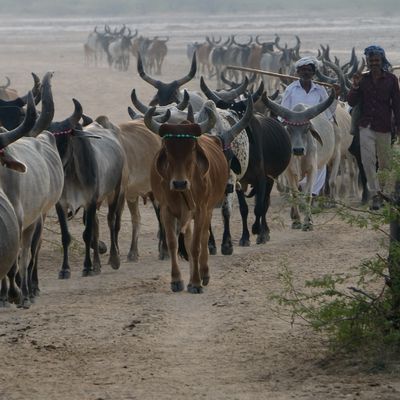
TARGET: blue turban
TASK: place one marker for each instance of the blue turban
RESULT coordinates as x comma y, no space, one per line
371,50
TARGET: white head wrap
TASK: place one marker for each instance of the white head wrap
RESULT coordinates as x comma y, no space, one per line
307,61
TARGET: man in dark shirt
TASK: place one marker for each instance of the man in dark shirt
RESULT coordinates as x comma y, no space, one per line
379,95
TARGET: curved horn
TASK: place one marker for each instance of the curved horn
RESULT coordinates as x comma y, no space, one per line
229,135
209,93
226,80
274,96
86,120
258,93
191,73
343,88
143,75
216,41
163,118
185,101
77,114
324,78
47,112
149,121
134,115
293,116
209,122
35,90
138,104
234,93
21,130
297,47
190,115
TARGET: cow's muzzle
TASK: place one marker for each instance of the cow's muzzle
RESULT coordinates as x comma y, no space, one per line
298,151
180,185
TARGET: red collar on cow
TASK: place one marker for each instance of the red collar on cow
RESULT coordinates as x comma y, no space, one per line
61,133
179,136
293,123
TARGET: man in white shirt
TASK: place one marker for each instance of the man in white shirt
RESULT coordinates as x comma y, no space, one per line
305,91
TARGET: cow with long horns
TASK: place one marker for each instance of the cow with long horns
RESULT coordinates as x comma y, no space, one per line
313,142
188,179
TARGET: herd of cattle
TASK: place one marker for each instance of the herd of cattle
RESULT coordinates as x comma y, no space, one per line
116,46
187,151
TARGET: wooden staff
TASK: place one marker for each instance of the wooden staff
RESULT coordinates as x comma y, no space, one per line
282,76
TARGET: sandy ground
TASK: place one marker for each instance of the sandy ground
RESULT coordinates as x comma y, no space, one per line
124,334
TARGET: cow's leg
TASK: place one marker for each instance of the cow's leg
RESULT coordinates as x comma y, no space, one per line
4,293
96,263
133,206
198,244
168,222
26,240
294,211
226,209
259,208
162,241
264,236
244,213
334,172
13,291
203,258
33,278
113,219
212,247
356,151
353,176
88,236
10,292
65,272
308,224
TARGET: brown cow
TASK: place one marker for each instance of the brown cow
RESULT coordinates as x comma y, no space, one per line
188,179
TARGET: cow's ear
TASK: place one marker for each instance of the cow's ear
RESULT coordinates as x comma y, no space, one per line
161,164
202,161
316,135
8,161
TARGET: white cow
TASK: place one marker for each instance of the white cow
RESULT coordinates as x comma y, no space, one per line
313,144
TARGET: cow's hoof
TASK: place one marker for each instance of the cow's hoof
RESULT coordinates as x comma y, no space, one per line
227,250
177,286
64,274
244,243
115,263
296,225
194,289
132,257
205,280
14,295
307,227
25,304
212,250
102,247
89,272
262,239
